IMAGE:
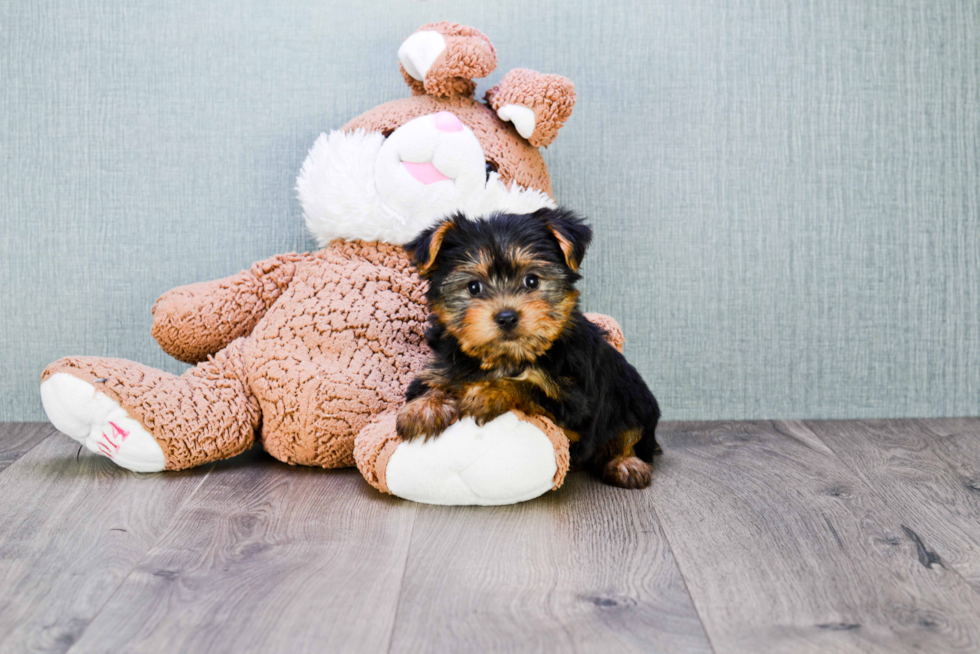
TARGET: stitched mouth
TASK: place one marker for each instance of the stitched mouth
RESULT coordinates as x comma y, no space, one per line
424,172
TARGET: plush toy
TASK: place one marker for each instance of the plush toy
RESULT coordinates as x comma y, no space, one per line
312,352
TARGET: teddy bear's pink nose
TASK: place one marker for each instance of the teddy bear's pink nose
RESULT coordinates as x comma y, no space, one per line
446,121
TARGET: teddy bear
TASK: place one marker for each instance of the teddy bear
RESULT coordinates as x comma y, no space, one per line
311,353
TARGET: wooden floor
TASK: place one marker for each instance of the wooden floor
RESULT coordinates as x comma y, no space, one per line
755,537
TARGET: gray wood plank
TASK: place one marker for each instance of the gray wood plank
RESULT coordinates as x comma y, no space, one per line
928,472
785,549
266,557
17,438
959,447
585,569
72,526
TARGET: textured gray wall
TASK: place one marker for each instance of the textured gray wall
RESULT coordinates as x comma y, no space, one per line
785,192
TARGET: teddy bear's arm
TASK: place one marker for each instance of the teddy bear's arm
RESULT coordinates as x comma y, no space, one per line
194,321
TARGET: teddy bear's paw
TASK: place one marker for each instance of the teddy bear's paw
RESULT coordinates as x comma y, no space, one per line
505,461
77,409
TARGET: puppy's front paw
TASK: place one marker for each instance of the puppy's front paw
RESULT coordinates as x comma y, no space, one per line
427,415
485,403
627,472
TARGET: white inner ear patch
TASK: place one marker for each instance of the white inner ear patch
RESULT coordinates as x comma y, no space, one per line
521,116
419,51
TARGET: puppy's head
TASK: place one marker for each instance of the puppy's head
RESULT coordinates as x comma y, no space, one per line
503,286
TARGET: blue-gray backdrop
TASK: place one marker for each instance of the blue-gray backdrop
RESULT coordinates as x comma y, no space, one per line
785,192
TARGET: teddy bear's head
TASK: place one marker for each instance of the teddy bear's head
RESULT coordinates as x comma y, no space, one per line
396,169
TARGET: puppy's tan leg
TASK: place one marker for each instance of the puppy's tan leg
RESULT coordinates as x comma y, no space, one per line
427,415
485,401
573,437
619,465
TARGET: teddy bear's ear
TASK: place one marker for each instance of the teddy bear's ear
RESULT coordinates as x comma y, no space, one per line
572,234
537,104
442,59
424,248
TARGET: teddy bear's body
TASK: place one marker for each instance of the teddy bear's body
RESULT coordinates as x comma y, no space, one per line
331,339
313,352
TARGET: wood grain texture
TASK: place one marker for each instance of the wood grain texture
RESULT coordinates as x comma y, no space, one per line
754,538
266,557
17,439
929,474
785,549
72,526
586,569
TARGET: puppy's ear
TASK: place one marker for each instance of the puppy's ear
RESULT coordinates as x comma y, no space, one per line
424,248
572,234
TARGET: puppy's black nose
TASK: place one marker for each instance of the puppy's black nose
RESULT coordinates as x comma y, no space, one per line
506,319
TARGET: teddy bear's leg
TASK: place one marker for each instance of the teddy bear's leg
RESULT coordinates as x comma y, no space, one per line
510,459
97,421
320,413
148,420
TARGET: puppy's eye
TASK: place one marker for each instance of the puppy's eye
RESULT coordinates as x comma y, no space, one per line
531,281
491,168
474,288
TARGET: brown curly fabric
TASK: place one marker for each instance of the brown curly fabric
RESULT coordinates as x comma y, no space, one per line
190,322
374,447
614,333
551,97
415,85
468,55
515,158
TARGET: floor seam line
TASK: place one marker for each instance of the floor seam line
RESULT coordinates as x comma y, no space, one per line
31,448
687,588
401,582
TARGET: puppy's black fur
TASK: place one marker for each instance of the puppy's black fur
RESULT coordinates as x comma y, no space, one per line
549,359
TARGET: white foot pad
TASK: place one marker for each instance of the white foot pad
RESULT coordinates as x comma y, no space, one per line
78,409
503,462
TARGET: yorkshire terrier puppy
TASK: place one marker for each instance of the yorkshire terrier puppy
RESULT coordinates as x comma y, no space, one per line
506,333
